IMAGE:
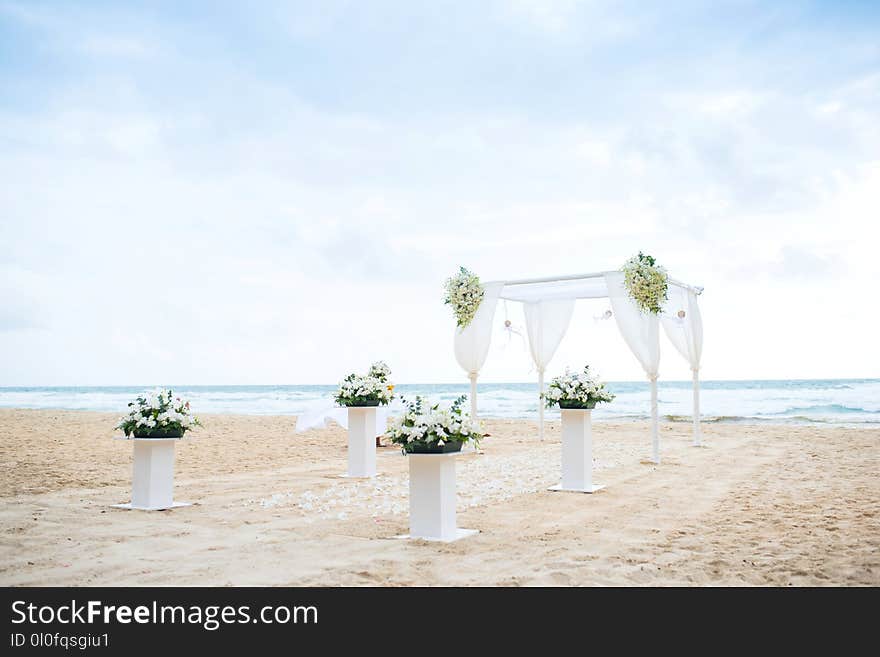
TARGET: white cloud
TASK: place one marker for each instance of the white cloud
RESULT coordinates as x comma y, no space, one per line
724,105
600,22
216,219
29,14
110,45
549,15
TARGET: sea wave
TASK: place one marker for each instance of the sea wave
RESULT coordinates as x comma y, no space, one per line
763,419
825,409
851,402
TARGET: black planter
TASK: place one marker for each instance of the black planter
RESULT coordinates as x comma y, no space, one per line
436,449
573,405
374,402
160,433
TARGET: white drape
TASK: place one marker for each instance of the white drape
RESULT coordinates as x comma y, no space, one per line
589,288
546,323
472,341
641,332
320,418
686,335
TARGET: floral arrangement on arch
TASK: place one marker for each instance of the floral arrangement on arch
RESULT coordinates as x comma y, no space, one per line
464,293
647,283
158,414
576,390
424,429
372,389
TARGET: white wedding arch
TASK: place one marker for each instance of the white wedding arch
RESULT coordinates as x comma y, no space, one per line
548,304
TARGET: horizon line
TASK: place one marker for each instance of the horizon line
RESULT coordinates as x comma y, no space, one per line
421,383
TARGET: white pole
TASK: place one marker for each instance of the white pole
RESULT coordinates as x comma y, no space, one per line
541,404
473,377
696,407
655,436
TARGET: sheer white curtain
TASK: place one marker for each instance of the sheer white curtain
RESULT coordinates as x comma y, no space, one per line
546,323
686,335
319,418
472,341
641,332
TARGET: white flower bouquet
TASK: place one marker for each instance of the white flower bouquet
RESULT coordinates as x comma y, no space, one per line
158,414
464,293
426,429
576,390
380,370
646,282
372,389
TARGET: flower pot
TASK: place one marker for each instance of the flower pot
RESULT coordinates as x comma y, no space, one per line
447,448
374,402
566,403
159,433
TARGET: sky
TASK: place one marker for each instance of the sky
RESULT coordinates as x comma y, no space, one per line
274,193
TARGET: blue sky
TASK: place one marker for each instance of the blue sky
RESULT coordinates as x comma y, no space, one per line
274,193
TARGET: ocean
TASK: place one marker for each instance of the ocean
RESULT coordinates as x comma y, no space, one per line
850,402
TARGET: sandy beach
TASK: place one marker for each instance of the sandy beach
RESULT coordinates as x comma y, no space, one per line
761,505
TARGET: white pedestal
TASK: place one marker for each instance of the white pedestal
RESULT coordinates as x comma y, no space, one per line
432,498
577,452
361,441
152,481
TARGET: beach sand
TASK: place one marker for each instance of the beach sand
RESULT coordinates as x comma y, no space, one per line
761,505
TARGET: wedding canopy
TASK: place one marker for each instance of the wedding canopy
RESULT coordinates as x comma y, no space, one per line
548,304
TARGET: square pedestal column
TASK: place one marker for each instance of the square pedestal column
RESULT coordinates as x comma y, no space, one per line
432,498
361,441
152,480
577,452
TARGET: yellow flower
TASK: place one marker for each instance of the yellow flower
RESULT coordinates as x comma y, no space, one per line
390,388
